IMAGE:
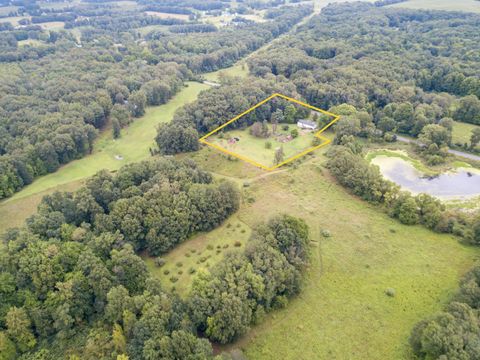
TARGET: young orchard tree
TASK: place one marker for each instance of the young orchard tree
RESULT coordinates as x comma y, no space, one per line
279,155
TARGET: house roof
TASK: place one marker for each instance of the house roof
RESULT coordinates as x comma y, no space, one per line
307,122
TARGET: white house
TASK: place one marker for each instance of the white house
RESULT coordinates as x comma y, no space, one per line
307,124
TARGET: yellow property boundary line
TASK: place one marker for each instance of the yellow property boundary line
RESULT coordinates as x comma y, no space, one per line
250,161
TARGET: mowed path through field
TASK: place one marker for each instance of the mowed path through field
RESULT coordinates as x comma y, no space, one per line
133,145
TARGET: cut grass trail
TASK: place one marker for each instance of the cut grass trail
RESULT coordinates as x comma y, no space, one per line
133,145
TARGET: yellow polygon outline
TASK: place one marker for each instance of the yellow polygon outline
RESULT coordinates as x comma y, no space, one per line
253,162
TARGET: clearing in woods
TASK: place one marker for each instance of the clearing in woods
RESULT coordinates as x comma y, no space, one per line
260,151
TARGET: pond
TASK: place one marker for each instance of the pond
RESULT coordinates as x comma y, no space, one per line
459,184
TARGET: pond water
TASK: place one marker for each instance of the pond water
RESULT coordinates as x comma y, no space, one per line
459,184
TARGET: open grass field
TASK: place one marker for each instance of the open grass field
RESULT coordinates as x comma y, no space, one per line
240,69
133,145
146,29
254,148
343,312
13,19
167,15
5,10
14,213
52,25
30,42
457,5
462,132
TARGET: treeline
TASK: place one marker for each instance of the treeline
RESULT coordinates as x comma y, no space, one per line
243,287
197,5
153,205
204,52
70,286
53,17
122,22
404,67
354,172
168,9
193,28
49,121
455,332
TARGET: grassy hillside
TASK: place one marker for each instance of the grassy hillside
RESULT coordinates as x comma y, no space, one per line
14,213
133,145
343,311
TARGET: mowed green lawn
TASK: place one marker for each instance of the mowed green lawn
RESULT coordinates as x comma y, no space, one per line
342,311
254,148
133,145
456,5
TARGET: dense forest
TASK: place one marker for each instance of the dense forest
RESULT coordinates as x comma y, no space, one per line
399,74
47,121
56,95
72,277
406,68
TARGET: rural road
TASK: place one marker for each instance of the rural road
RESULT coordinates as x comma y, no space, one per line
450,151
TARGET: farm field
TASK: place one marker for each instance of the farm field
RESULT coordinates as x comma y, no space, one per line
30,42
52,25
133,146
458,5
254,148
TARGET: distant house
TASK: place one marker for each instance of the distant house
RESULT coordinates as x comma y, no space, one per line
307,124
